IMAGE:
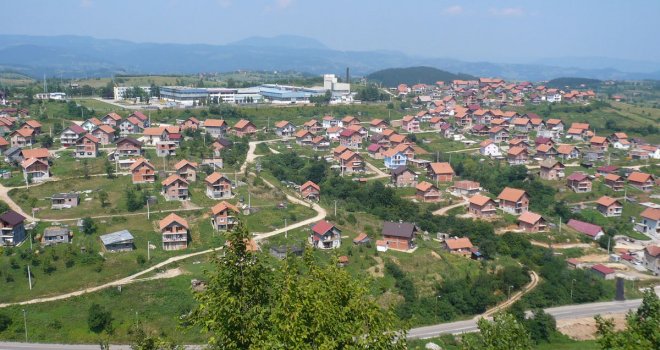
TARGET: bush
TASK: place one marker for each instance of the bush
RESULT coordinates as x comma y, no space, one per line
5,322
98,318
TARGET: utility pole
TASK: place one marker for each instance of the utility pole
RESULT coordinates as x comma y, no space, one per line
572,281
609,239
25,324
29,277
148,252
560,225
286,230
335,208
148,213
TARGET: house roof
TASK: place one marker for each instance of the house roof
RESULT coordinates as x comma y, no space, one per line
215,123
511,194
424,186
214,177
361,237
565,149
310,183
139,115
651,213
3,141
620,135
441,168
399,229
607,201
113,116
607,168
485,143
340,149
129,140
54,231
64,195
467,184
76,129
282,124
529,218
584,227
376,122
397,138
35,153
347,133
612,177
516,150
105,128
11,218
28,162
639,177
374,147
302,133
348,155
653,250
222,206
32,123
391,152
479,200
172,179
577,176
553,121
582,126
550,163
458,243
116,237
311,122
603,269
139,162
322,227
242,124
168,220
90,137
183,163
154,131
24,132
94,121
598,139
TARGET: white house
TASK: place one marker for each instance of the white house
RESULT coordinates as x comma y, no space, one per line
489,148
649,223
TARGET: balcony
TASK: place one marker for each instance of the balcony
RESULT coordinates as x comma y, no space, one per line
175,238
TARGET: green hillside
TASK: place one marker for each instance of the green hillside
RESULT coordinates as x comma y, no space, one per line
415,75
573,83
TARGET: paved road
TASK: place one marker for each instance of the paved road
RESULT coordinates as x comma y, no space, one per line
560,313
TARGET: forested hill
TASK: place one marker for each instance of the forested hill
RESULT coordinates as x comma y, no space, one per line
415,75
573,83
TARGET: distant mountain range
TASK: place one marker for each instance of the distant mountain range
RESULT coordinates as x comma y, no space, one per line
79,56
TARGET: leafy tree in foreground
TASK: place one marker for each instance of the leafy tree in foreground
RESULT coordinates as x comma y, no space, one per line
98,319
503,333
642,327
300,305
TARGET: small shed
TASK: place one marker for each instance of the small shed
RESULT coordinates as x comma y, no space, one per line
120,241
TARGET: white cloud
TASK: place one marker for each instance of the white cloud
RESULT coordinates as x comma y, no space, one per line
86,3
454,10
507,12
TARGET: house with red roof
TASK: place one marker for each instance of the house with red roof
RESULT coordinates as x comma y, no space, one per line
175,188
22,138
31,124
325,235
310,191
105,134
403,177
579,182
113,119
284,128
609,207
71,134
130,125
652,259
35,170
378,125
313,126
513,201
187,170
351,162
375,151
614,181
174,232
551,169
128,147
517,155
641,181
498,134
441,172
591,230
349,120
482,206
91,124
320,143
465,188
532,222
244,128
427,192
410,123
224,216
215,127
461,246
87,146
304,137
649,222
489,148
599,142
142,171
190,123
350,138
603,271
218,186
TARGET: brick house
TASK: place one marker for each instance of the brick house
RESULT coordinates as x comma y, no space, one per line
12,228
87,146
35,169
410,123
191,123
513,201
460,246
325,235
113,119
33,125
427,192
320,143
166,148
641,181
599,142
551,169
105,134
174,232
546,151
399,235
482,206
142,171
351,162
313,126
517,155
38,153
218,186
350,138
186,170
567,152
72,133
531,222
175,188
224,216
310,191
465,188
614,181
153,135
244,128
579,182
22,138
128,147
441,172
609,206
403,177
304,137
130,125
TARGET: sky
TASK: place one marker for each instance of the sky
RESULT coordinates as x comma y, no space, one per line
478,30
